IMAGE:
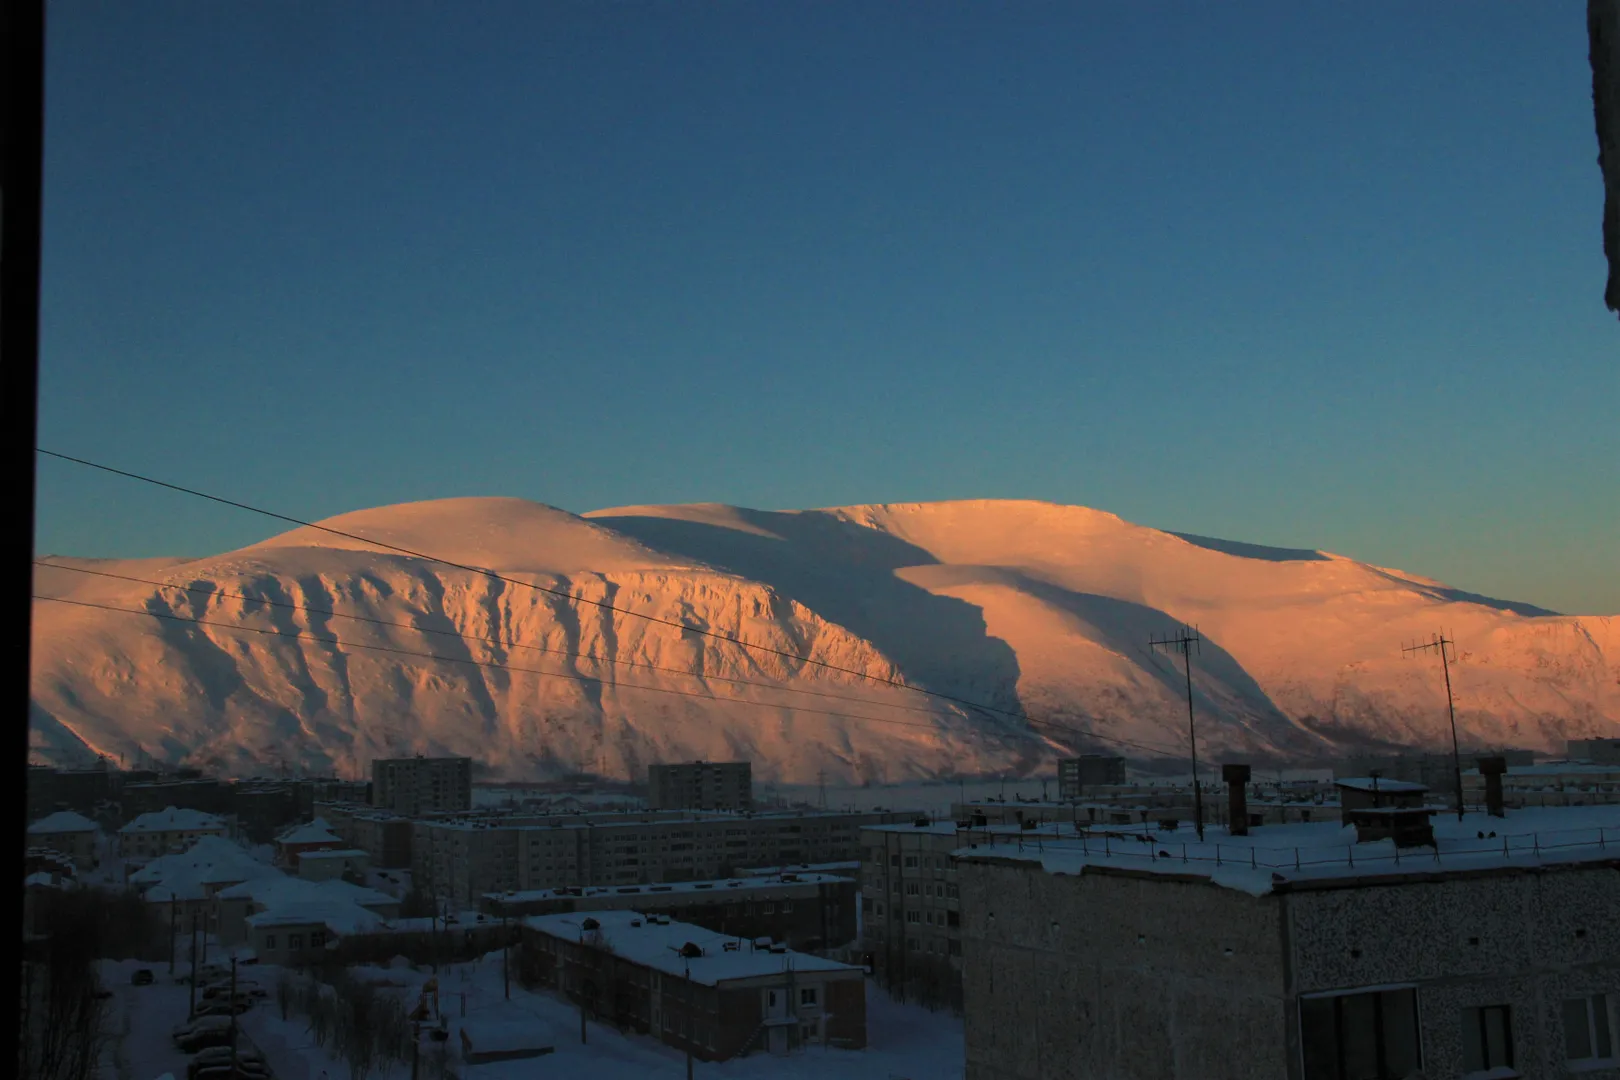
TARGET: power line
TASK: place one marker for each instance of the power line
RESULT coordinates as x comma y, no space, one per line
486,572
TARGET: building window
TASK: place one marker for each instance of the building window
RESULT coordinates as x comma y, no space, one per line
1487,1038
913,889
1372,1034
317,939
879,911
767,909
913,917
912,944
269,941
295,941
953,918
911,862
807,995
1588,1029
939,891
787,906
954,947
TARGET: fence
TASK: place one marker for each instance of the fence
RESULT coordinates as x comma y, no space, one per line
1457,851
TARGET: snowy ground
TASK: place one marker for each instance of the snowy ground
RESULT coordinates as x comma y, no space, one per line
904,1041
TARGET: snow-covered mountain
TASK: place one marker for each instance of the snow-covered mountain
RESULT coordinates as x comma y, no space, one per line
1025,607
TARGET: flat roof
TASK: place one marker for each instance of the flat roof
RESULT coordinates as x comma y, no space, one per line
1272,857
716,886
1381,785
657,946
333,853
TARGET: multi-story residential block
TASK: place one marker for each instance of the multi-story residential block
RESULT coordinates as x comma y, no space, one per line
68,833
1550,783
464,858
1297,953
1079,775
1598,751
701,785
694,989
421,785
811,912
163,831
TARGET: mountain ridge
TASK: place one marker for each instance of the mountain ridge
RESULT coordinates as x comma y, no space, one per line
1022,606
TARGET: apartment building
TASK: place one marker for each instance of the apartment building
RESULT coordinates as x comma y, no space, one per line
67,833
163,831
692,988
1079,775
1298,953
811,912
1598,751
421,785
701,785
464,858
1550,783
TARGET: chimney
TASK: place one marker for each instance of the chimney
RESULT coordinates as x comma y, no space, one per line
1492,768
1237,796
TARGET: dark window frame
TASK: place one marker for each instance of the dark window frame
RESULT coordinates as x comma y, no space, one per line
1312,1070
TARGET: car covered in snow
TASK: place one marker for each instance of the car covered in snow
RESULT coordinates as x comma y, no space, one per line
201,1032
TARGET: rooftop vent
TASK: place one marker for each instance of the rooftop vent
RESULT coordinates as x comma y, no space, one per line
590,924
921,823
691,950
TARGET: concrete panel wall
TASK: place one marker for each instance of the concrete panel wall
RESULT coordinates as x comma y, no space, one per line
1525,939
1106,977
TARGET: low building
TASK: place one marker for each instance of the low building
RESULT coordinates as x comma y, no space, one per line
314,835
72,834
306,932
236,906
718,996
808,912
1077,775
163,831
1296,952
325,864
485,1041
701,785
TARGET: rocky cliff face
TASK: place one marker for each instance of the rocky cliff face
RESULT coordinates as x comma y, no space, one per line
1024,608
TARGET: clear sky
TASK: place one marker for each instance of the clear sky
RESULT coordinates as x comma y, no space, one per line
1307,274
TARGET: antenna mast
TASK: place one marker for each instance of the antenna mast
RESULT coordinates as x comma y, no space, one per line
1186,643
1440,643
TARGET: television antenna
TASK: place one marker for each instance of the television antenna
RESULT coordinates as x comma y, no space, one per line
1440,643
1186,642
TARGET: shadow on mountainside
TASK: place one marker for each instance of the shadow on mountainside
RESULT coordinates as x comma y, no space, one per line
1252,551
844,572
1459,596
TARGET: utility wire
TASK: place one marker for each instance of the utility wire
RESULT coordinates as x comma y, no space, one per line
493,666
485,572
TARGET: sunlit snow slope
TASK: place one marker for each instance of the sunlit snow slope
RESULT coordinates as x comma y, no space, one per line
1030,609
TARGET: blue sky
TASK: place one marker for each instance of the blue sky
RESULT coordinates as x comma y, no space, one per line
1314,275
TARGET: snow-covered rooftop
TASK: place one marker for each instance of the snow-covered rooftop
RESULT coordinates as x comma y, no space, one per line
584,893
63,821
332,853
186,875
314,832
1380,785
1274,856
278,890
339,916
657,945
172,820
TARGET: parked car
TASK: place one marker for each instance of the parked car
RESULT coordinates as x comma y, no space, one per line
223,989
201,1032
142,977
243,1071
224,1006
249,1062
